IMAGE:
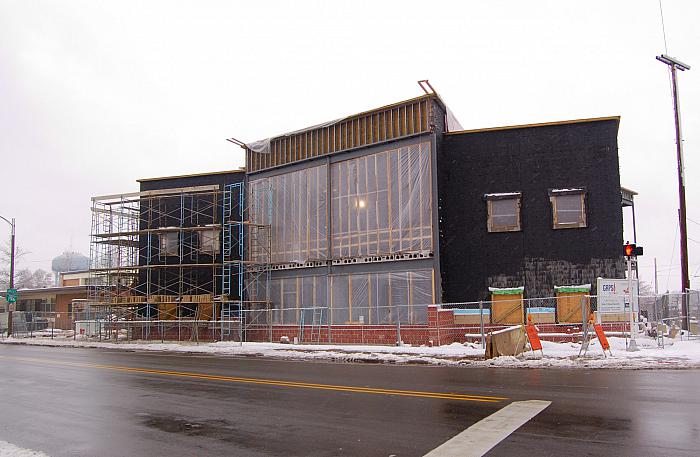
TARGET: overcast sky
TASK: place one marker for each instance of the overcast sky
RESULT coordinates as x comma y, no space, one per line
96,94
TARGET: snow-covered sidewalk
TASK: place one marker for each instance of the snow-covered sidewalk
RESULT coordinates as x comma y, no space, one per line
676,355
10,450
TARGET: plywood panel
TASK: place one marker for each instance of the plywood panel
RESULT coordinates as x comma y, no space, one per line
569,307
506,309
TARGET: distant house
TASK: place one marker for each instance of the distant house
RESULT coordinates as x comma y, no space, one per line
47,304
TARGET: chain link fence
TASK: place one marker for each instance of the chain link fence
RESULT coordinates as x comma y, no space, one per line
559,318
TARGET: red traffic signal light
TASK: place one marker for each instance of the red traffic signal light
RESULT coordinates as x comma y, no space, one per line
632,250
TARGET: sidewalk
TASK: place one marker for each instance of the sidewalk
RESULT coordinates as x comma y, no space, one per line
676,355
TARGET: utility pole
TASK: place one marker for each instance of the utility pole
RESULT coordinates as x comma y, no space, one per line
675,65
12,273
656,293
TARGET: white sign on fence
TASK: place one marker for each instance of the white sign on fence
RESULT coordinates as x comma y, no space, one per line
613,295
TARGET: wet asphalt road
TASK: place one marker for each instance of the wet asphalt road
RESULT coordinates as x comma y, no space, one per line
88,402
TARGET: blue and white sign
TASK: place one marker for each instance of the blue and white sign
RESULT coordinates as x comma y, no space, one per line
613,295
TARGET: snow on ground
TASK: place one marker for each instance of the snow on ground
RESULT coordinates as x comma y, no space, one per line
10,450
676,354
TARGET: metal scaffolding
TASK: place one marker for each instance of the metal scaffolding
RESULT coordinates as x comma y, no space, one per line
247,254
181,254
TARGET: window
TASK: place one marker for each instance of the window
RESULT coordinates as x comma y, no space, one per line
503,212
168,243
209,241
568,208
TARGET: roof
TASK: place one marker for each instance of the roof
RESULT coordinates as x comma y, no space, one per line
369,112
541,124
192,175
400,120
50,290
74,272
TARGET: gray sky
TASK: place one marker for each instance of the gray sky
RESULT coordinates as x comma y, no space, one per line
95,94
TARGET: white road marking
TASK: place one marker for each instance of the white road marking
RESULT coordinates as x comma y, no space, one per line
478,439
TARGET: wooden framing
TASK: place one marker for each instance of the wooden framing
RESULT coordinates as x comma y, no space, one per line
407,118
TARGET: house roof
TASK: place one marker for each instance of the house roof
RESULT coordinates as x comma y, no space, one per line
49,290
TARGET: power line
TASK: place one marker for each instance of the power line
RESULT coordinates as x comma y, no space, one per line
663,27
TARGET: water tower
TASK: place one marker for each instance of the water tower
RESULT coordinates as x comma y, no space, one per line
68,261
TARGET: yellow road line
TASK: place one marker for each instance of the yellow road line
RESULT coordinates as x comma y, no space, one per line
270,382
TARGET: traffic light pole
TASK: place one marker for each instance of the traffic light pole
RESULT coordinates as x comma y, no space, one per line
632,347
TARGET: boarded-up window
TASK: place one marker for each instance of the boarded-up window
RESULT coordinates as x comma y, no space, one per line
168,243
503,212
209,241
568,208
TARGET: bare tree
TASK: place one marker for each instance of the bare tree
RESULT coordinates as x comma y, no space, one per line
5,257
28,279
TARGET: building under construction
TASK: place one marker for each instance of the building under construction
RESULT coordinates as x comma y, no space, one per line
174,251
364,221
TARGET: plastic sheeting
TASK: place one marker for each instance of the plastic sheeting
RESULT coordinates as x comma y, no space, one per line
381,298
297,216
382,203
368,298
264,146
292,296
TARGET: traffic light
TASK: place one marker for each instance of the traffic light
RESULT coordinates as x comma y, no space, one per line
632,250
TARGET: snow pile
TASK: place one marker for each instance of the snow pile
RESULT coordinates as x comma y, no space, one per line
10,450
677,353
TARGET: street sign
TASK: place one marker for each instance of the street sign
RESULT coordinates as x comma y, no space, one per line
11,295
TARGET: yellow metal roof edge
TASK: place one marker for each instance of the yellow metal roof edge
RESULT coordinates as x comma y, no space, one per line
541,124
192,175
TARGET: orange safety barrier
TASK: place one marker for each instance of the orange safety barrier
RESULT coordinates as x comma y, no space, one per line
532,336
601,337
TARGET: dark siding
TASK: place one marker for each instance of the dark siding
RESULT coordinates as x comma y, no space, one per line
209,209
532,161
219,179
